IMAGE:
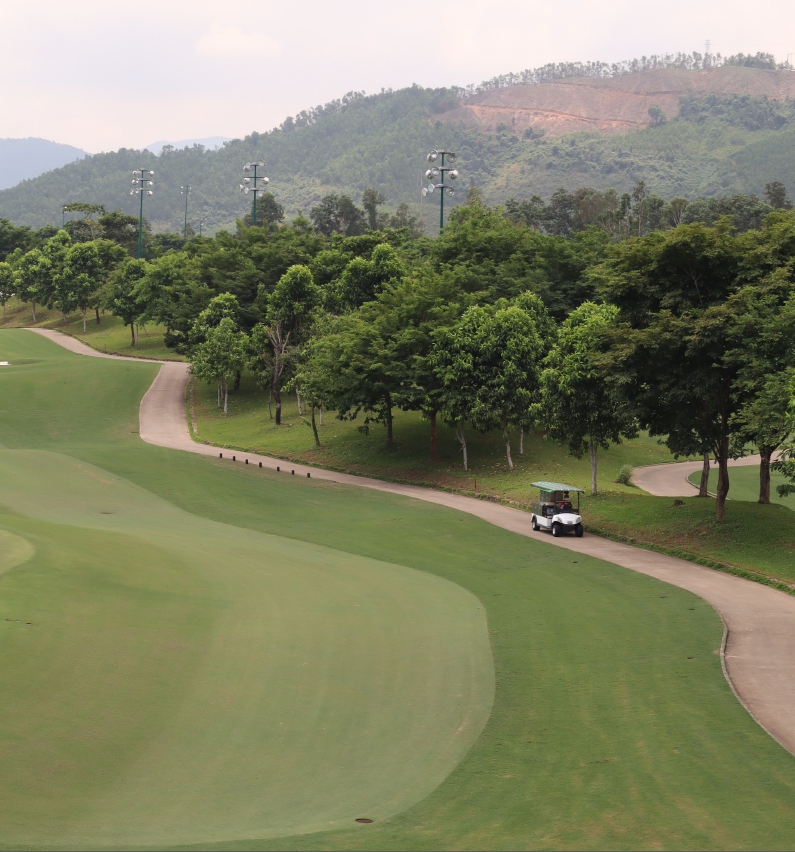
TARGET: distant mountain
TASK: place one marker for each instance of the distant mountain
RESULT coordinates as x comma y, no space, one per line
207,142
685,131
22,159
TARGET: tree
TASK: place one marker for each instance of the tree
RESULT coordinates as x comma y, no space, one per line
80,278
33,274
363,279
269,212
765,421
122,295
489,363
776,194
337,214
371,201
7,288
657,115
672,290
121,228
291,312
220,357
580,406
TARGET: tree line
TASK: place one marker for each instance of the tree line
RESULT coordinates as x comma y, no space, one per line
684,330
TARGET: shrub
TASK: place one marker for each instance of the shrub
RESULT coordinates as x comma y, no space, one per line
625,474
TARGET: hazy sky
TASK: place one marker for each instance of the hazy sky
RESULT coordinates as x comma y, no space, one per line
103,75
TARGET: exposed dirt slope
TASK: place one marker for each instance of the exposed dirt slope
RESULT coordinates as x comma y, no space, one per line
615,105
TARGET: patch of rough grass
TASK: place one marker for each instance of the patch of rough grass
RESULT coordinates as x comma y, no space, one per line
754,538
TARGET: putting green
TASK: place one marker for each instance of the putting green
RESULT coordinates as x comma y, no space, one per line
744,484
176,680
167,640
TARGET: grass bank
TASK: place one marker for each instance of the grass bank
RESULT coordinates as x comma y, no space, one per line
349,447
107,336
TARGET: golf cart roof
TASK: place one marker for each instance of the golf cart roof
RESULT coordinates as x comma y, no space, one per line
555,486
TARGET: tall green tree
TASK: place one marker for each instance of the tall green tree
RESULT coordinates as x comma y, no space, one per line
495,354
79,278
7,286
675,327
580,406
220,357
33,276
122,296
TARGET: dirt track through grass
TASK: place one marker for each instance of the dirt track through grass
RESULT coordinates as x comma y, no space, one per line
612,725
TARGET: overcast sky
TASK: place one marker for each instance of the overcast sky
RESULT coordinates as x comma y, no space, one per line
103,75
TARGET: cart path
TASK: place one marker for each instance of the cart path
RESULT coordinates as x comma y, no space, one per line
671,480
759,657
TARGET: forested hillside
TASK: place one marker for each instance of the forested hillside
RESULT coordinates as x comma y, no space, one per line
715,144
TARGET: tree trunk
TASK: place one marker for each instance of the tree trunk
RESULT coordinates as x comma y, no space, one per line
703,488
722,457
507,441
34,311
97,312
226,394
84,320
143,326
277,398
217,393
388,401
314,425
521,439
132,333
434,438
270,400
459,433
592,449
63,318
298,401
237,381
764,475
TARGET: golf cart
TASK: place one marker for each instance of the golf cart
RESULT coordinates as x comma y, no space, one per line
554,510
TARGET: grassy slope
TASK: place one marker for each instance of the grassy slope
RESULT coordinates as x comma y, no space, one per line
612,725
109,336
344,447
744,482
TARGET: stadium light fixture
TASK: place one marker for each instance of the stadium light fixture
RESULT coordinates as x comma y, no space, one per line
142,180
255,184
439,172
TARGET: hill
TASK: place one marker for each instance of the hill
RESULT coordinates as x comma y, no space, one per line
22,159
720,131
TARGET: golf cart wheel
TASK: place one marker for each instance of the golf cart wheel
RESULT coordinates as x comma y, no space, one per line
556,530
534,524
578,530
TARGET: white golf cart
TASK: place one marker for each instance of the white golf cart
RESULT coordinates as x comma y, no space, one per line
554,510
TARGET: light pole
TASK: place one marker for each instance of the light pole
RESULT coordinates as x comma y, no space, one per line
440,171
250,185
185,190
142,178
201,225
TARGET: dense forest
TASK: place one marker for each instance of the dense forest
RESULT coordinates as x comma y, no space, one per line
716,145
592,315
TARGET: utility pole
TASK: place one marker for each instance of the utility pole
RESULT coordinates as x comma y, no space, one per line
250,185
440,172
185,190
142,178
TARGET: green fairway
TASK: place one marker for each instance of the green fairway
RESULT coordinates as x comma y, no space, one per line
744,484
153,686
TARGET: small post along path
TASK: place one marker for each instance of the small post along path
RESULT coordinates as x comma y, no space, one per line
758,649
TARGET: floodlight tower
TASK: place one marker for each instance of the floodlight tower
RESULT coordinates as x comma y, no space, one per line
185,190
440,171
250,184
142,180
201,225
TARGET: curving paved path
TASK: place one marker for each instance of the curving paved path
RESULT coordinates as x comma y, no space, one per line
758,652
671,480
